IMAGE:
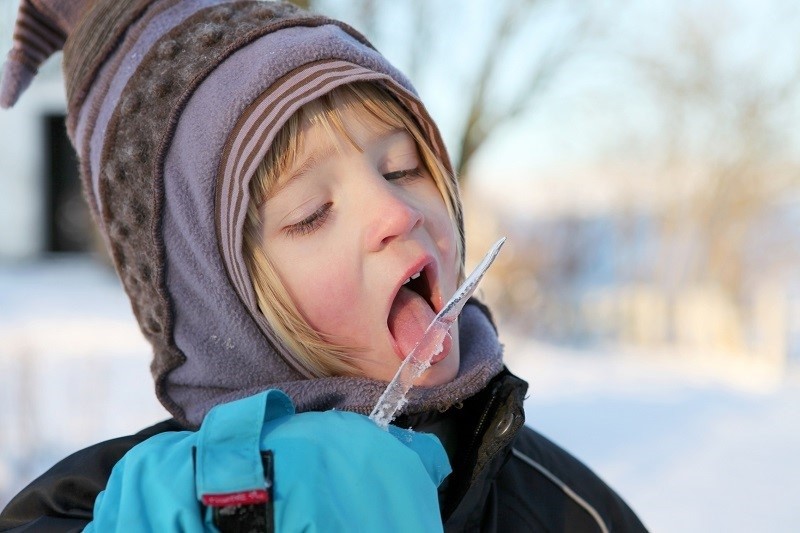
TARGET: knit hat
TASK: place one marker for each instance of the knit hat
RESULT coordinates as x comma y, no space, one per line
172,105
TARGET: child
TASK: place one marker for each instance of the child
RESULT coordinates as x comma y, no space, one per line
283,215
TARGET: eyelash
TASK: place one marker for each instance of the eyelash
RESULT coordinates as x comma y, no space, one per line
404,175
318,217
311,222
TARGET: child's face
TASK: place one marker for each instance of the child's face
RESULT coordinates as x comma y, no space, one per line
346,226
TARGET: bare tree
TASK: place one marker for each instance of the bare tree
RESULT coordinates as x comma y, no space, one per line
725,146
508,48
484,115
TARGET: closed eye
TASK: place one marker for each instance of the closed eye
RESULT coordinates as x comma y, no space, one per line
311,223
404,175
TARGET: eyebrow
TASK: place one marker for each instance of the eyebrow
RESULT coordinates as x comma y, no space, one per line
310,162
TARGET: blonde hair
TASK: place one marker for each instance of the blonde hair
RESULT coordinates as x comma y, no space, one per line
314,353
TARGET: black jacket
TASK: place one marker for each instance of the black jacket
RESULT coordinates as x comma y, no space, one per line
506,477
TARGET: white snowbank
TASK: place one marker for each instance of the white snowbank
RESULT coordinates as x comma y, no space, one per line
692,443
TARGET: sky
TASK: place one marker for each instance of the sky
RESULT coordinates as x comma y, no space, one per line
598,106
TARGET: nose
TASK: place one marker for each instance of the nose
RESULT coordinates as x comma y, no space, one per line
390,215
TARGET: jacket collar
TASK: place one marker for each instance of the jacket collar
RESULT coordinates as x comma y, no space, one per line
477,435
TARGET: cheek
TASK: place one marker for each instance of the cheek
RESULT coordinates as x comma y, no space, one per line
322,286
449,240
444,231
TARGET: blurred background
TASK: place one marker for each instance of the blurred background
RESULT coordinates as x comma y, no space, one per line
642,157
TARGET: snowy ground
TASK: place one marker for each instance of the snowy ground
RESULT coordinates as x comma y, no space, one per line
694,444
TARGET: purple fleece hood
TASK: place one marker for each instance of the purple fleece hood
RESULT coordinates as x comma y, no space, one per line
172,105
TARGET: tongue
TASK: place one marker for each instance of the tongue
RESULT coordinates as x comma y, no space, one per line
409,317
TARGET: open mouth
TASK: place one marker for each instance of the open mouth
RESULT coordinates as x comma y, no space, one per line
419,283
412,311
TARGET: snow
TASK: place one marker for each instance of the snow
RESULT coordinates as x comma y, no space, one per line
693,442
74,368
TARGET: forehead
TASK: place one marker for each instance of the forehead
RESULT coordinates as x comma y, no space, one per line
350,122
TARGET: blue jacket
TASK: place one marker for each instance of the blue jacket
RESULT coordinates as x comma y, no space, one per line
506,477
322,471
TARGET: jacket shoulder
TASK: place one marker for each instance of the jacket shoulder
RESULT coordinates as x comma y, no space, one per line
62,499
543,487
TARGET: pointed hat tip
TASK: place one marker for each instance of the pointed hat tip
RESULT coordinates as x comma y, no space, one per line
16,77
